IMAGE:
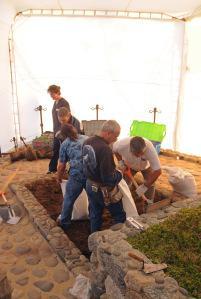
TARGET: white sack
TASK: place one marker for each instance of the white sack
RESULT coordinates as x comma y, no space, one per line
182,181
80,208
127,200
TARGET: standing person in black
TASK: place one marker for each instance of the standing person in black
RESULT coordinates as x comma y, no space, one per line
102,176
55,93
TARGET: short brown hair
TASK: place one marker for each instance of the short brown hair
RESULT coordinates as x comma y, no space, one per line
63,111
69,131
54,89
137,145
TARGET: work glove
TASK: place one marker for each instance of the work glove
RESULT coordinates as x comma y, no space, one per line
121,165
141,190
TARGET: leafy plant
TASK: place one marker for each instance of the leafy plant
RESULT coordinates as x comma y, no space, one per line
177,242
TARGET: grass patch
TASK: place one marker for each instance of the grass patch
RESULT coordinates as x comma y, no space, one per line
176,242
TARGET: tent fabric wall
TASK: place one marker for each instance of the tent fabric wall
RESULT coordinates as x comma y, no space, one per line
189,125
7,14
127,66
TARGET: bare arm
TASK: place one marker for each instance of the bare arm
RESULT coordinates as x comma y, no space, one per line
152,177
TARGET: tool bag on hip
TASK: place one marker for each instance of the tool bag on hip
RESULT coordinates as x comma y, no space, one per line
110,196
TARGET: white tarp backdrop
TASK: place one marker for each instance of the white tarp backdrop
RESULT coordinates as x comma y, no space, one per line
126,66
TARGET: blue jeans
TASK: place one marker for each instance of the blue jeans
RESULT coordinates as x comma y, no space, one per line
96,206
74,188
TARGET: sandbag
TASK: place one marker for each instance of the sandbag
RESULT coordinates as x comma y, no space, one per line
127,200
80,208
182,181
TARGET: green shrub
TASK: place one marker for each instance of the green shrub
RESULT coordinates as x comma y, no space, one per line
176,242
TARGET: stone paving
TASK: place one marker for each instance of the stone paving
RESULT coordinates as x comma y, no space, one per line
33,268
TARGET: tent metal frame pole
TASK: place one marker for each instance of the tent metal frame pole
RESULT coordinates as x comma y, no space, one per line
181,92
15,102
99,13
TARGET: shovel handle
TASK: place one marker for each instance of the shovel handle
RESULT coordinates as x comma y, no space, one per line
9,180
4,198
136,257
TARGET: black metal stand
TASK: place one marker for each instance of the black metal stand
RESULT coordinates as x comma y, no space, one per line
97,108
155,110
40,109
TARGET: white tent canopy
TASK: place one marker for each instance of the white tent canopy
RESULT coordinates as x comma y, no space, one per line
132,65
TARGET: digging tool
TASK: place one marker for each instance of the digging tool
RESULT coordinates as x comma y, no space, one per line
146,201
148,268
22,139
135,223
13,219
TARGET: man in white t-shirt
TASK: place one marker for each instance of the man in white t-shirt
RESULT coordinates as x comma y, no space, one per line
140,155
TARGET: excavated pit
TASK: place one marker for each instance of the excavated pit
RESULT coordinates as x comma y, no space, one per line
48,193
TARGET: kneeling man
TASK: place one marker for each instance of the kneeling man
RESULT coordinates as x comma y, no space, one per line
140,155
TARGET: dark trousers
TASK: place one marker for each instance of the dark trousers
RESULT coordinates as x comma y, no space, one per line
96,206
55,157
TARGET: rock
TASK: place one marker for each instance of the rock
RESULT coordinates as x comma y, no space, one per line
18,270
183,291
39,272
17,294
133,264
117,226
161,216
136,280
22,281
171,285
61,275
30,231
22,249
7,245
51,261
19,238
44,250
104,296
112,290
34,294
44,285
152,292
67,294
33,260
179,204
159,277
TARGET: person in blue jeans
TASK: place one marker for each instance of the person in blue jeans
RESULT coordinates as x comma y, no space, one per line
71,151
102,176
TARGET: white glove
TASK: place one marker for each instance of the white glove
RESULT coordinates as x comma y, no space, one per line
121,165
141,190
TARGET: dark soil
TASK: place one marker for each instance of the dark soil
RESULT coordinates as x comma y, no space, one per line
48,192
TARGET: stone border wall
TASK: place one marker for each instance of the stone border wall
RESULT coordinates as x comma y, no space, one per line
58,240
119,275
181,156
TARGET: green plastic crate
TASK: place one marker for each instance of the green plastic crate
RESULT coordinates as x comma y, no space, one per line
151,131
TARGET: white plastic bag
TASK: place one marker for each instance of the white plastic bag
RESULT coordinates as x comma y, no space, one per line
182,181
127,200
81,288
80,208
